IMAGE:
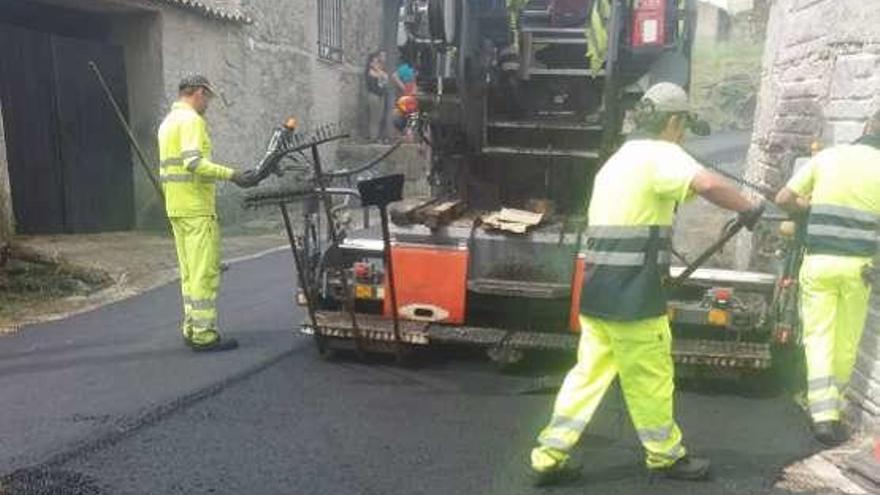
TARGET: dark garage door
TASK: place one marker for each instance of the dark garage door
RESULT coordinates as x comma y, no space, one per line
70,165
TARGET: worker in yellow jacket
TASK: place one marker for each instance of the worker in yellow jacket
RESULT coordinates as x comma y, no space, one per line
840,188
188,178
624,328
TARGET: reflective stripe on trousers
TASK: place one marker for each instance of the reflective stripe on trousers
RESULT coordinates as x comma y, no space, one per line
834,307
640,353
197,240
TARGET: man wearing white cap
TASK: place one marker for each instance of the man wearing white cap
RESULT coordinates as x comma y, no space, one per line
624,328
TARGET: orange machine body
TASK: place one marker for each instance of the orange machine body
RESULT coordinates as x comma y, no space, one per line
431,282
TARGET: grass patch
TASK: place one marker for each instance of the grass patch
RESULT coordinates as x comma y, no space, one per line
25,284
726,78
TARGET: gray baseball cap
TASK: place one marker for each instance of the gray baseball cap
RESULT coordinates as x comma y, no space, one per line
672,98
196,81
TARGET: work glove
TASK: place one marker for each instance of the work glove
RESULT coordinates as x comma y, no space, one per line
246,179
750,217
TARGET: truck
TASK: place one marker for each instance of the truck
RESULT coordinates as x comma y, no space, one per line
518,118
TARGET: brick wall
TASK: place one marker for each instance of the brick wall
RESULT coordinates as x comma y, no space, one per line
820,78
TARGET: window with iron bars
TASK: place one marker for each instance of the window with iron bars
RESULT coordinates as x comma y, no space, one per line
330,30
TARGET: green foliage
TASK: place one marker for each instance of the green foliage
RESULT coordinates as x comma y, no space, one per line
726,79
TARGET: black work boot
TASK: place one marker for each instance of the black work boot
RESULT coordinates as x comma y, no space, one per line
217,345
688,468
562,475
830,433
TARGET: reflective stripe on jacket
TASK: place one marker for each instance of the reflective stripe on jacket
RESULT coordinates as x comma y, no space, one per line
625,268
186,171
841,231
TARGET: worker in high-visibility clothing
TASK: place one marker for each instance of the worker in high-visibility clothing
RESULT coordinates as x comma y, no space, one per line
624,328
840,188
188,176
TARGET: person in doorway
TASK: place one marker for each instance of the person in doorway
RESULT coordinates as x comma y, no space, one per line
188,176
839,190
624,327
377,96
404,79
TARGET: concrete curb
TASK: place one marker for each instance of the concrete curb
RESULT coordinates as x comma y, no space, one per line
865,466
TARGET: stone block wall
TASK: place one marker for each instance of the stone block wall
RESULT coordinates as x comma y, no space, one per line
268,70
263,57
820,80
411,160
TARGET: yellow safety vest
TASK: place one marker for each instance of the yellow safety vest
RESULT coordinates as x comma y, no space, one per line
597,34
186,171
843,184
629,239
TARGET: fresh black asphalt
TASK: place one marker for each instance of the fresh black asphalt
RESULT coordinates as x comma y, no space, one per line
110,402
451,426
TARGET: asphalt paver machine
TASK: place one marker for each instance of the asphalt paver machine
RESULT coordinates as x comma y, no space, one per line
517,119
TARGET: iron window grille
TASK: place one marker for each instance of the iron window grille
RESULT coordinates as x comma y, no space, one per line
330,30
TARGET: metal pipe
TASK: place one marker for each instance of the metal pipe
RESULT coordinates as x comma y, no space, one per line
708,253
300,267
334,238
121,117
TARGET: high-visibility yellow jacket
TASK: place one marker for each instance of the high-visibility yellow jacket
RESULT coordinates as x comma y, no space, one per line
186,170
843,184
629,238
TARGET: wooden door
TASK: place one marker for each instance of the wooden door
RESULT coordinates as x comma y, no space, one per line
27,91
95,154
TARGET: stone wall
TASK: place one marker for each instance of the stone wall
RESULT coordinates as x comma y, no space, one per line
820,79
268,70
261,54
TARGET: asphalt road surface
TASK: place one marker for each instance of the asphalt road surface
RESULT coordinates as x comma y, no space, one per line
305,426
110,402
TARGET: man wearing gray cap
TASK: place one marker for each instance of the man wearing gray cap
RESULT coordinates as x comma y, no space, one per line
188,175
624,328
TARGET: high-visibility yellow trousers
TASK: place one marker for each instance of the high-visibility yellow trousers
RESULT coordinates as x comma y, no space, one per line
198,254
640,352
834,305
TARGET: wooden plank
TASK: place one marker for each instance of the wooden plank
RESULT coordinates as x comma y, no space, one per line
443,213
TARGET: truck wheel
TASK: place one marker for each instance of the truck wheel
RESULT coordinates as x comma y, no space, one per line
506,358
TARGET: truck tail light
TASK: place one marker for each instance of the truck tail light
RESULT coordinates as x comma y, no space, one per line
649,23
